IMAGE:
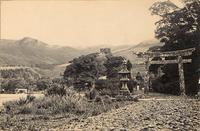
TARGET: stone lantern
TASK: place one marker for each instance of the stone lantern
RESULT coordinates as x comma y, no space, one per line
124,74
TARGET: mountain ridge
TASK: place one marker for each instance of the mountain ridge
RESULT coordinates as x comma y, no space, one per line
29,51
47,58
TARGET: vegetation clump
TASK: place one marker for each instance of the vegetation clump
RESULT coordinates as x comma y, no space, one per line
54,104
86,71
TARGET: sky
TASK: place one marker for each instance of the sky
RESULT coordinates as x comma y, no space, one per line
79,23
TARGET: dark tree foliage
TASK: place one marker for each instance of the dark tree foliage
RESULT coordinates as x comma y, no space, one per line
85,70
113,66
179,28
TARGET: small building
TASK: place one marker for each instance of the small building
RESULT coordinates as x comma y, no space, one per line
19,91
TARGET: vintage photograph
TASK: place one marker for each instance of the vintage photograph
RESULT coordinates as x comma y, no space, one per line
99,65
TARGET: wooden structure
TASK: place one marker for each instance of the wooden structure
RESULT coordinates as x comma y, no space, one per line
166,58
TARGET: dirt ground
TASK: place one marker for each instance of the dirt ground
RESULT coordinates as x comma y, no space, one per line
152,113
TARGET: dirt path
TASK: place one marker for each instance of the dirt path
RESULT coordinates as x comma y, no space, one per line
145,115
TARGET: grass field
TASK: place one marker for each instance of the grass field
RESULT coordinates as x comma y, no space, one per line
11,97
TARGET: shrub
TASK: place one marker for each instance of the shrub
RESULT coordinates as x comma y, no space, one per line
108,87
25,109
72,103
30,98
56,89
43,83
20,106
54,104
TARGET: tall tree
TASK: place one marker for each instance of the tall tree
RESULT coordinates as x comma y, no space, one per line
179,28
84,70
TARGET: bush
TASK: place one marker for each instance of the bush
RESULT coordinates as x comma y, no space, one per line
30,98
71,103
20,106
56,89
55,104
108,87
43,83
101,84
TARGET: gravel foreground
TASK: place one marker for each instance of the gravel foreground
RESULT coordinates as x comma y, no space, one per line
145,115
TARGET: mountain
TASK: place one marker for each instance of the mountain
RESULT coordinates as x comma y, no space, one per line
47,59
29,51
43,58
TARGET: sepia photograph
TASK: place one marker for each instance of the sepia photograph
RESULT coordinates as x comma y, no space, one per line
99,65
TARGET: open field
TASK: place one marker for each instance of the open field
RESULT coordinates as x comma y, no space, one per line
11,97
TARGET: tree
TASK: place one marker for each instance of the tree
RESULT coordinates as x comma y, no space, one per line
12,84
85,70
179,28
113,66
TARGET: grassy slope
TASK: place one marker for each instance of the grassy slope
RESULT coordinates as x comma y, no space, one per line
28,51
31,52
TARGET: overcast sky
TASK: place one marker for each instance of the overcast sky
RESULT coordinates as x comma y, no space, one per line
79,23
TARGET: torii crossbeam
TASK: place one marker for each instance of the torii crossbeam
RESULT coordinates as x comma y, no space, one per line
163,55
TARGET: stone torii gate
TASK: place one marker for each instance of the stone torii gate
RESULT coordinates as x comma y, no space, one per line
178,59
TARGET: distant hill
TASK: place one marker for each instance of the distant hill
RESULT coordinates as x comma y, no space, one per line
141,47
29,51
36,54
47,59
